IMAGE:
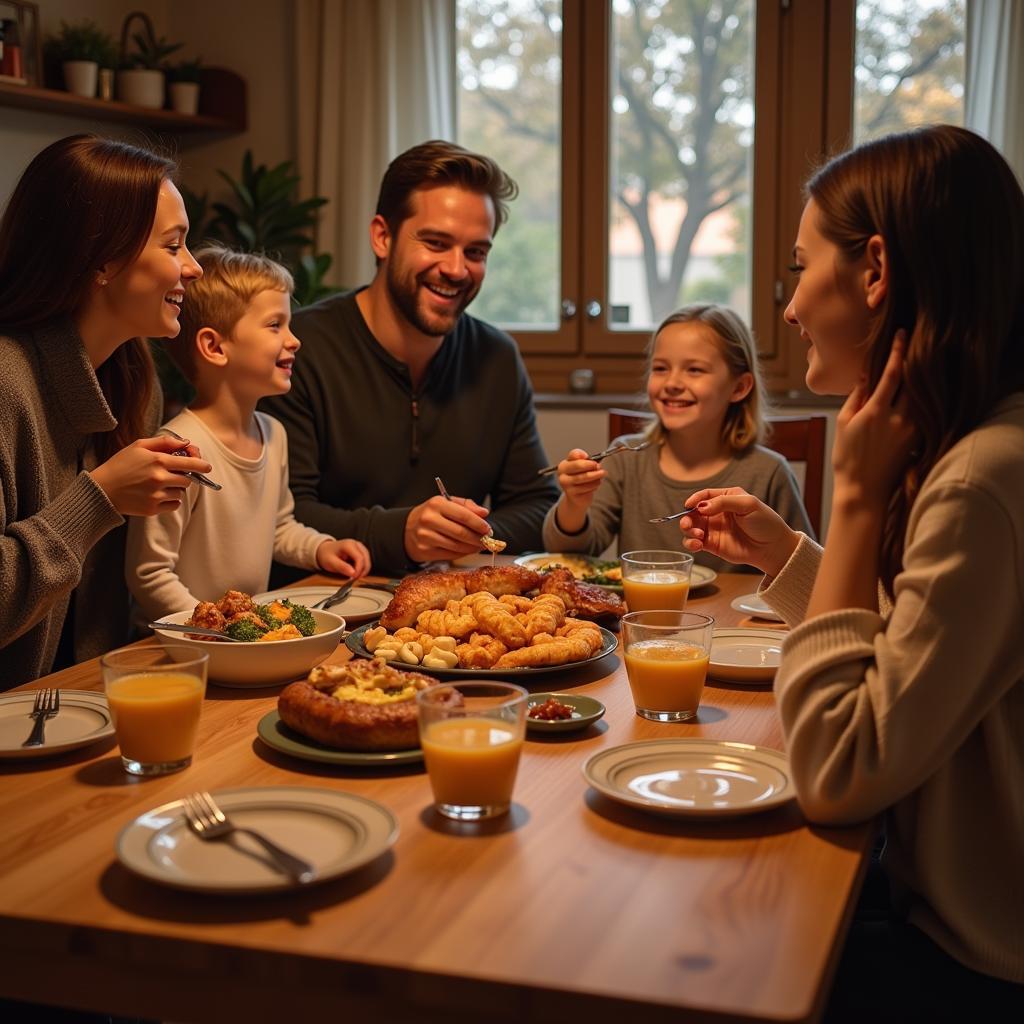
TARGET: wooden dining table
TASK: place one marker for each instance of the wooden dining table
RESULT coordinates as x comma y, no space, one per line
571,907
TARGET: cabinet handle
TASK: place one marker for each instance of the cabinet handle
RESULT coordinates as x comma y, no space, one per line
593,309
568,309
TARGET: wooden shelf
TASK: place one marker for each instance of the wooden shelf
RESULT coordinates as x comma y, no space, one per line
222,106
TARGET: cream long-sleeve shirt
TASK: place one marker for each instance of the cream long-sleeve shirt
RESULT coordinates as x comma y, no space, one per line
220,540
919,710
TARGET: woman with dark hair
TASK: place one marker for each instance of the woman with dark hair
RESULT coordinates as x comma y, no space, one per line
92,262
901,688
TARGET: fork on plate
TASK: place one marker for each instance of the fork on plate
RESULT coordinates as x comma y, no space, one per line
209,822
45,705
622,446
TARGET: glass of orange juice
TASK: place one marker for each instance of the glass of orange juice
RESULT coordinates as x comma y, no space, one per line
155,699
656,579
472,745
666,654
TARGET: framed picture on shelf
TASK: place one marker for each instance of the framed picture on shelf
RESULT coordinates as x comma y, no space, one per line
21,60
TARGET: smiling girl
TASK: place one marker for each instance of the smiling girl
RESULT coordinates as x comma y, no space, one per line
704,386
92,261
901,688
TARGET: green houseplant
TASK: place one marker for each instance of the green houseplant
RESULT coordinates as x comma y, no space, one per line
140,78
183,85
80,49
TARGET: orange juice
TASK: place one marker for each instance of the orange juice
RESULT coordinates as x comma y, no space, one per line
656,588
666,675
472,762
156,715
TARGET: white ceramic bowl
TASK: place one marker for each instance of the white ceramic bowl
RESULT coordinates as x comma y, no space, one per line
261,664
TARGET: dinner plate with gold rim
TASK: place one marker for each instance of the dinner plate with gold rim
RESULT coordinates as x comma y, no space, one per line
286,740
692,778
745,655
84,718
609,641
360,604
336,832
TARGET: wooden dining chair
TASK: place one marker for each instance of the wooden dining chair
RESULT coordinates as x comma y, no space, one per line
798,439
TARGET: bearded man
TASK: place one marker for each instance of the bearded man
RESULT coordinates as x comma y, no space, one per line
396,384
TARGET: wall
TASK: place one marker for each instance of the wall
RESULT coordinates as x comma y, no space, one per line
252,37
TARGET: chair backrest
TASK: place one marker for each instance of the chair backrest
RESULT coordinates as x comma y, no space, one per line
796,438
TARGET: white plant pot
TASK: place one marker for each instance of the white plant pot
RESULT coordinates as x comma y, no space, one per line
184,97
80,77
141,87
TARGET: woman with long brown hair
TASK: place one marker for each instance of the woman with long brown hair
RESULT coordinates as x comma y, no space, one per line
901,688
92,262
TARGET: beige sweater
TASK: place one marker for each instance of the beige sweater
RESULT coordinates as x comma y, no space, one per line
919,711
60,542
220,540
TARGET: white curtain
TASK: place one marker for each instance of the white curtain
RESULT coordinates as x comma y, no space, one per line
374,77
994,90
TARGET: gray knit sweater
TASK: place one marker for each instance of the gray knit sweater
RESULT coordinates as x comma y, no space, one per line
60,541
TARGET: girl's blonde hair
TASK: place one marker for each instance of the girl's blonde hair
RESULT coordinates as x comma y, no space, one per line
745,421
219,299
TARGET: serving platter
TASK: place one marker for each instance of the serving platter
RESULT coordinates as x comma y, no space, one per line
609,641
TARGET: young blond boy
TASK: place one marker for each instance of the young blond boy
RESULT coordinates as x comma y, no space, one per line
235,347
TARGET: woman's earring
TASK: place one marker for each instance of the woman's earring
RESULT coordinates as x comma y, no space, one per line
102,280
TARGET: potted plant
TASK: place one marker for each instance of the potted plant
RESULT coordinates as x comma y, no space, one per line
81,49
183,85
140,79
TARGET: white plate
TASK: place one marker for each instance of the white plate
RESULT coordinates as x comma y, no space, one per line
701,576
756,606
83,718
741,655
691,778
336,832
360,604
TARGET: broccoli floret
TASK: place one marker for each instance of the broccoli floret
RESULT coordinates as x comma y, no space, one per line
301,618
244,629
264,612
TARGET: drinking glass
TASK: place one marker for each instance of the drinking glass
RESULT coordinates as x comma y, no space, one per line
472,748
666,654
155,696
656,579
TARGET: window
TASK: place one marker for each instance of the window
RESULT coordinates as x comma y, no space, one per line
640,132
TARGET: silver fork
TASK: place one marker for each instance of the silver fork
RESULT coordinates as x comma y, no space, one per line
46,705
635,446
208,821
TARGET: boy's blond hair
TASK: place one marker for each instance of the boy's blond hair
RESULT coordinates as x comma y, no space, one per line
219,299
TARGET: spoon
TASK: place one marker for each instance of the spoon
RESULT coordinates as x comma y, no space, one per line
675,515
622,446
201,631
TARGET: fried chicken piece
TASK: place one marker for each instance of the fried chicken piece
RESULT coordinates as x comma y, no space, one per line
545,615
450,621
482,651
233,602
422,592
585,599
207,616
501,579
498,619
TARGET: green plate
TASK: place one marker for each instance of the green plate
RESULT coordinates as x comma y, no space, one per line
585,711
276,734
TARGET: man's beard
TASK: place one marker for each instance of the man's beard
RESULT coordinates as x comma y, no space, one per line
405,299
